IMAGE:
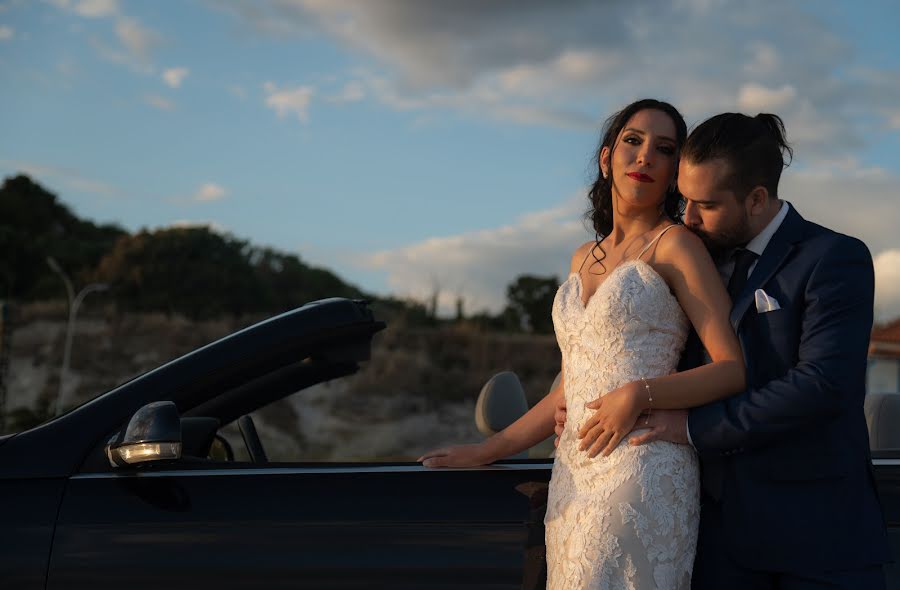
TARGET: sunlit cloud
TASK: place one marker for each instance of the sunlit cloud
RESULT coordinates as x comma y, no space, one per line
173,77
848,197
159,102
7,33
764,60
96,8
209,192
67,68
238,92
138,39
88,8
289,101
479,265
893,119
353,91
563,65
755,98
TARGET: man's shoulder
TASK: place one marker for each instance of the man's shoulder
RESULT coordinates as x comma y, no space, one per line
822,240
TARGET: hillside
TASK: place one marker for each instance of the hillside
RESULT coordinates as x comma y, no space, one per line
193,271
418,391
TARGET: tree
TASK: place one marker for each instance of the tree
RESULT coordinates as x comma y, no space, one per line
193,271
531,299
35,225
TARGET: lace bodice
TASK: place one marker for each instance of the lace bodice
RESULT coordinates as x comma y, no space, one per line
631,327
628,520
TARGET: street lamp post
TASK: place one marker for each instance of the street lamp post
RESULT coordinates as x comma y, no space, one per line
74,304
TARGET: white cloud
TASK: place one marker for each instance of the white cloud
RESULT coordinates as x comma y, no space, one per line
136,41
175,76
136,38
887,285
485,99
570,70
893,119
118,56
6,33
470,263
67,68
159,102
209,192
353,91
289,101
764,61
848,197
89,8
567,65
96,8
238,91
755,98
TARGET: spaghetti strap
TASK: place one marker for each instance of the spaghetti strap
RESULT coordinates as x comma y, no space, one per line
591,251
653,241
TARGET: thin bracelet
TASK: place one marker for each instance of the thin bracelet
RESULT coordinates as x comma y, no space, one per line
649,400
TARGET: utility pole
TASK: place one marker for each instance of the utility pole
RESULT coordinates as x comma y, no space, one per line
74,303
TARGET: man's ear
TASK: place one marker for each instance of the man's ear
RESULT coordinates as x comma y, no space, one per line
757,200
604,161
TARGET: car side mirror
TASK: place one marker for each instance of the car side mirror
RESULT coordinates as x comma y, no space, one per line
152,434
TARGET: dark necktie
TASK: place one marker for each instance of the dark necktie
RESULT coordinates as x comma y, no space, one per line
743,259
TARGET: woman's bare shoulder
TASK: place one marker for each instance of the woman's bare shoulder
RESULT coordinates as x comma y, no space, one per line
678,244
581,253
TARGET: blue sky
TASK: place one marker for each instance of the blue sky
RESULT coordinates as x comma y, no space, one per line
422,146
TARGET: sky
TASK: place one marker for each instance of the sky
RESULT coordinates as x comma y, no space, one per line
417,147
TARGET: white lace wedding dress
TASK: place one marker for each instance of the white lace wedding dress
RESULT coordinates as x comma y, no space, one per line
628,520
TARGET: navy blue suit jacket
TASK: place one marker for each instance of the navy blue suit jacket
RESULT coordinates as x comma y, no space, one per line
789,457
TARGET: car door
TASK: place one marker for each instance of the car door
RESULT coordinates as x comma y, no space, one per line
302,526
887,477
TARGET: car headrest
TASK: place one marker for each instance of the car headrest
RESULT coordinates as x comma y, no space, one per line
500,403
883,418
197,434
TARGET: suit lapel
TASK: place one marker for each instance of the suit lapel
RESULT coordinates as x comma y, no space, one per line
778,249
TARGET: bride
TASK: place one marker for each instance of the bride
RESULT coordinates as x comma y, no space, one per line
622,515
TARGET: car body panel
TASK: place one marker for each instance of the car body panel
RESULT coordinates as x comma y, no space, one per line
887,479
299,527
27,521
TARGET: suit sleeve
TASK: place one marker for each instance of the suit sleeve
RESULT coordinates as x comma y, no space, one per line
830,371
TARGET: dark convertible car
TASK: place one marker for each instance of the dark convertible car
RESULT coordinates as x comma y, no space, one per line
122,492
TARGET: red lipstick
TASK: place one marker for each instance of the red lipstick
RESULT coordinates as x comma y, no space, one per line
640,177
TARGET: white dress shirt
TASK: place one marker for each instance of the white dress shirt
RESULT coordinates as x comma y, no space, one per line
757,245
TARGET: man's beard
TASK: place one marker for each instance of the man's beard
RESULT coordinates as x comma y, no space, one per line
720,243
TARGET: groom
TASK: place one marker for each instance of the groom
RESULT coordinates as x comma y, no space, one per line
788,495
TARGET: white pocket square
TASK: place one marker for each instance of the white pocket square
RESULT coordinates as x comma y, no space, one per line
765,303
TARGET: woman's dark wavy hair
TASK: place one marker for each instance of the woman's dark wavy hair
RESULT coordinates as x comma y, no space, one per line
600,214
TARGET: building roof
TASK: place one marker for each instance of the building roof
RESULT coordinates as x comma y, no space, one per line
885,340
